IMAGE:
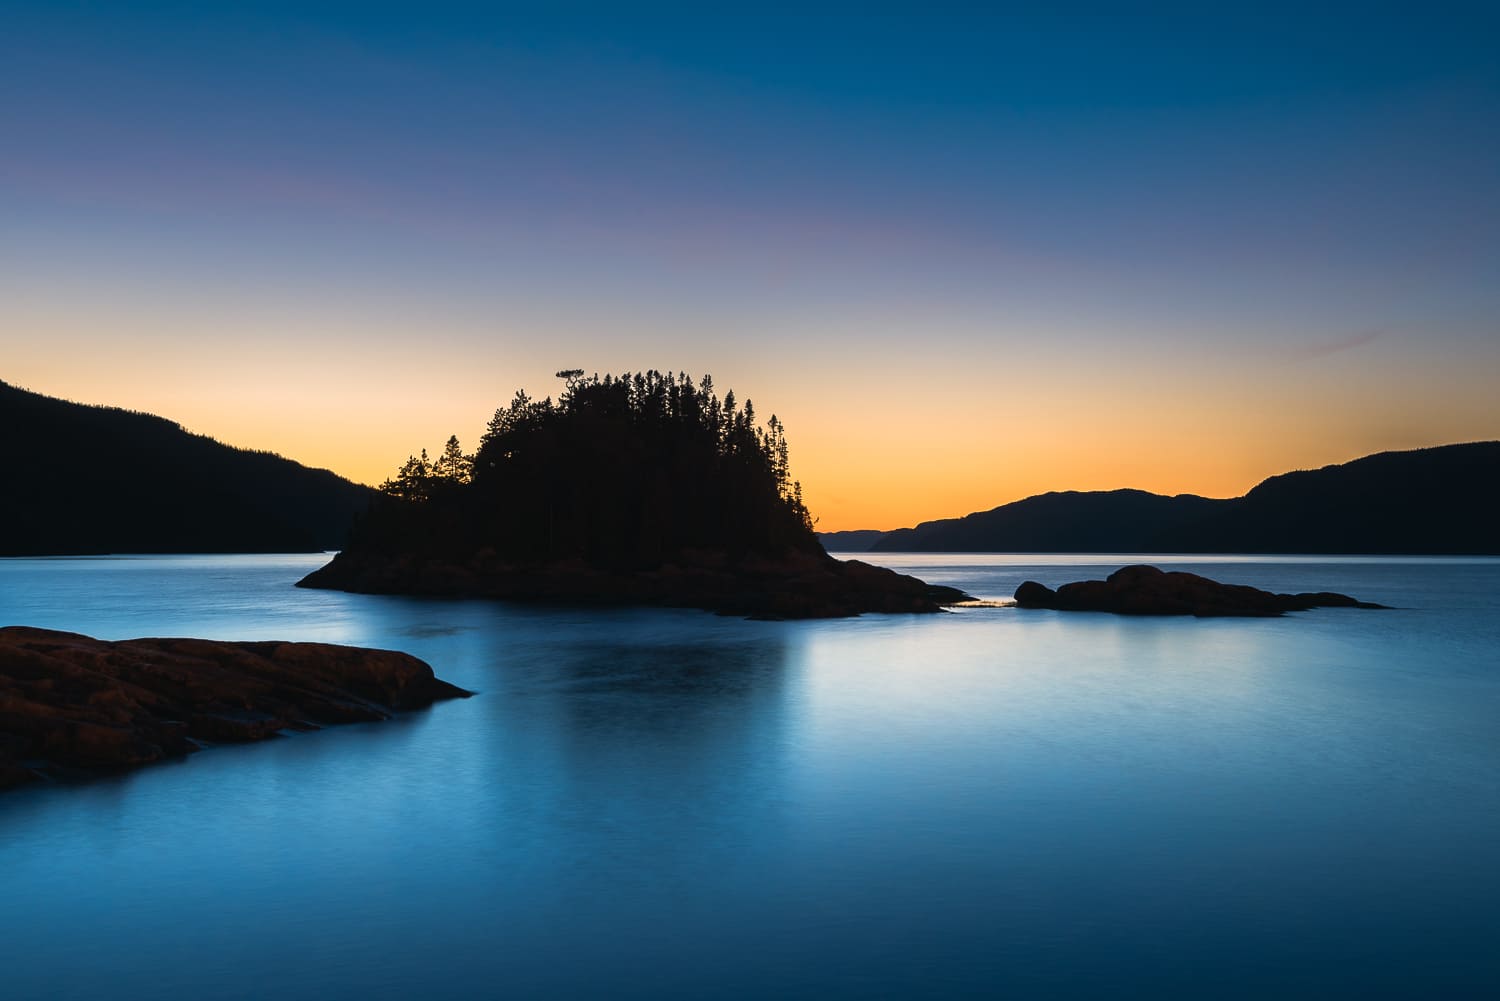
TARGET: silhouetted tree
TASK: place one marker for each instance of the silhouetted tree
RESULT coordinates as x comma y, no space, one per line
413,481
453,466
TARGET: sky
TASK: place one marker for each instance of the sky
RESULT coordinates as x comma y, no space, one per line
964,257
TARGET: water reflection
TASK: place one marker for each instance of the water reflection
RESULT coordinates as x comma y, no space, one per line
668,804
630,740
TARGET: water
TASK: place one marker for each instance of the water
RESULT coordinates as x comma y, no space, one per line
655,804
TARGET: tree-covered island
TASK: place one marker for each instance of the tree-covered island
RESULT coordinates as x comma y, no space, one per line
642,488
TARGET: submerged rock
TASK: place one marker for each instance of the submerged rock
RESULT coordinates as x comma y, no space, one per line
73,705
1146,590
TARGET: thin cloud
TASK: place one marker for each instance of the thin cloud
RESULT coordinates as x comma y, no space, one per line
1326,348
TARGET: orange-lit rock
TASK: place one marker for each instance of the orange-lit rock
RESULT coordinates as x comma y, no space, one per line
70,704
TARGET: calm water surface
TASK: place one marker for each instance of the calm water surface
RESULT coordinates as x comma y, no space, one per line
655,804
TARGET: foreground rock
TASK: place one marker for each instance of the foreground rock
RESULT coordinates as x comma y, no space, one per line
1145,590
72,705
797,586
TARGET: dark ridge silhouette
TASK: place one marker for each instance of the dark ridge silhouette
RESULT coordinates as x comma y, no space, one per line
88,479
1112,521
857,541
645,488
1430,501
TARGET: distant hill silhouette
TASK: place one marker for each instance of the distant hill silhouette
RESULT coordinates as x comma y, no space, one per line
1113,521
857,541
86,479
1427,501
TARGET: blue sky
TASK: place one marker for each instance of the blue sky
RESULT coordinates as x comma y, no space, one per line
1220,243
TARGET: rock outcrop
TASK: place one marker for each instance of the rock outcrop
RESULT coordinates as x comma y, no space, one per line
72,706
796,586
1145,590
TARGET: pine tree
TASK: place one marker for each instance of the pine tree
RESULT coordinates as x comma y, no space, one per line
453,466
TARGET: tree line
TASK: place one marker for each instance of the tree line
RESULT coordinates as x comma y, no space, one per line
625,472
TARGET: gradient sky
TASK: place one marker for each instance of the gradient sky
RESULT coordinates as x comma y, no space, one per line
965,259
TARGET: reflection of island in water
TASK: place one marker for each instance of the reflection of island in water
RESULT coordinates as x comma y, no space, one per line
642,489
638,736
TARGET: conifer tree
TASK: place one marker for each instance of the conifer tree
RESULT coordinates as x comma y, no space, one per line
453,466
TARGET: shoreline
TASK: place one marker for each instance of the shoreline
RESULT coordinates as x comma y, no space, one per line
72,706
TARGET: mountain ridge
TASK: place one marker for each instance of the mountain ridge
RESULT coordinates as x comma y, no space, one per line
1434,501
98,479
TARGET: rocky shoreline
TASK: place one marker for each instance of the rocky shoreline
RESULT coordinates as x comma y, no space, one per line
72,706
795,586
1146,590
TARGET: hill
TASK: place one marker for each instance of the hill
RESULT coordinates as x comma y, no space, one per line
856,541
87,479
1112,521
1438,501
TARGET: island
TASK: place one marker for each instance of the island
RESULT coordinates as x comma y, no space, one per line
642,488
1147,590
72,706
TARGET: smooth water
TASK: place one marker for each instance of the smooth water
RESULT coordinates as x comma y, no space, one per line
665,804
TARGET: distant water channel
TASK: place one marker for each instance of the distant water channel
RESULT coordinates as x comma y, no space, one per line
667,804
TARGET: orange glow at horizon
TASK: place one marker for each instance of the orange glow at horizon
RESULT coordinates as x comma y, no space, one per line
880,447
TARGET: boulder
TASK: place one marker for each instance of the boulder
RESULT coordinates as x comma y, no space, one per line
1033,595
